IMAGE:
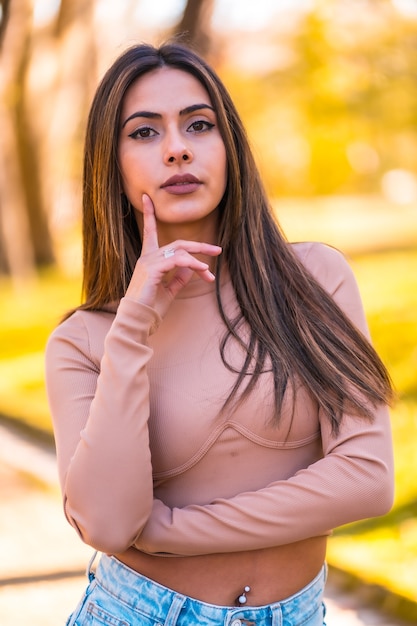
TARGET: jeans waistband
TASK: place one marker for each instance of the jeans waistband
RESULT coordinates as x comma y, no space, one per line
142,594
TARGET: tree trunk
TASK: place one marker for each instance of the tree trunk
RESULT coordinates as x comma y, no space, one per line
194,26
16,242
29,159
72,44
5,7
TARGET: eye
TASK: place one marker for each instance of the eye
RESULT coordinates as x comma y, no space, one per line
200,126
145,132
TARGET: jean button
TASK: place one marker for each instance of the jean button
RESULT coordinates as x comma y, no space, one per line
236,622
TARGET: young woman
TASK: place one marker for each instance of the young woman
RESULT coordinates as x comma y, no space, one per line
217,405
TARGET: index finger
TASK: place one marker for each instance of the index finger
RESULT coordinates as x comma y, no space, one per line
150,232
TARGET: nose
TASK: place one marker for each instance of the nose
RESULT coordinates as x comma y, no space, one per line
177,149
184,157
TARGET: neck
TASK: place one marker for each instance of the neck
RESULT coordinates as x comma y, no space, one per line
204,230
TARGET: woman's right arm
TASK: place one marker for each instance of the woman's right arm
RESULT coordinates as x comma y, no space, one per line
100,413
100,407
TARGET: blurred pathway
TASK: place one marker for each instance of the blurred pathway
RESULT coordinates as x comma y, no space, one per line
42,560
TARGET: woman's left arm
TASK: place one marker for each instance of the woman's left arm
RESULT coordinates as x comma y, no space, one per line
353,480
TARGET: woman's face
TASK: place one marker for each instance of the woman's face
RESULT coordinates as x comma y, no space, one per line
171,149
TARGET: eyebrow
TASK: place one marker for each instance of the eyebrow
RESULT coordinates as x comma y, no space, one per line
152,116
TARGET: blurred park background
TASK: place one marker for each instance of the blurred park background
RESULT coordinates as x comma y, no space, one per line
328,92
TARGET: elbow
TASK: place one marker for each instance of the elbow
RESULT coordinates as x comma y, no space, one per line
108,533
387,487
380,494
385,498
105,541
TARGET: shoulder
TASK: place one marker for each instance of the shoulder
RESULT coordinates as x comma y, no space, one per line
83,333
318,257
326,264
330,268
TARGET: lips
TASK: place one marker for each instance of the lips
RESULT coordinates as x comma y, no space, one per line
180,179
181,183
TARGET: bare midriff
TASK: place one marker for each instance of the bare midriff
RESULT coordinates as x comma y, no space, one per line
272,574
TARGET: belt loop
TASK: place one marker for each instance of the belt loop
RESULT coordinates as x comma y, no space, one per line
276,615
88,572
174,610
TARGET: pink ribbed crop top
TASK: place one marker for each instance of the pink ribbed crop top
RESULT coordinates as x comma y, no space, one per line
147,458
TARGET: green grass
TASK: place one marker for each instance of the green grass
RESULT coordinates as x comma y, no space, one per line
27,317
383,550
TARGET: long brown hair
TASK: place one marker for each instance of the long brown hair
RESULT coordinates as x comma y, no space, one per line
295,326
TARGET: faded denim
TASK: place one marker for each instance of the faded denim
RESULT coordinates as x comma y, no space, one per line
119,596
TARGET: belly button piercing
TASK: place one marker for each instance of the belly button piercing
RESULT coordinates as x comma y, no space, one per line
241,600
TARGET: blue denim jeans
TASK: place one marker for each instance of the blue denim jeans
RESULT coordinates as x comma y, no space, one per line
119,596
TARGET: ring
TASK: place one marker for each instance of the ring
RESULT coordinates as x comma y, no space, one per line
168,252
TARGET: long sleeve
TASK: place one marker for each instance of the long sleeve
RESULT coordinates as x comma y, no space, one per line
100,411
353,480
